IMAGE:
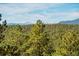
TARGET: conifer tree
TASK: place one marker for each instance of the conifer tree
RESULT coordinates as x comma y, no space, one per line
5,23
3,26
38,40
1,30
2,36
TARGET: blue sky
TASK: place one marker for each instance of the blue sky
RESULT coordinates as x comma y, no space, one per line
47,12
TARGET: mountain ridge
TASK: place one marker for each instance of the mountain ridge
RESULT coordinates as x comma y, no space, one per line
76,21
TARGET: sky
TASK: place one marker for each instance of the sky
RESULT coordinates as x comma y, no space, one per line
47,12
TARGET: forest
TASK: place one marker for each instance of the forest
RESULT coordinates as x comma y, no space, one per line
39,39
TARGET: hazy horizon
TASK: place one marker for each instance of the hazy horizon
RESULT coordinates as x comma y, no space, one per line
47,12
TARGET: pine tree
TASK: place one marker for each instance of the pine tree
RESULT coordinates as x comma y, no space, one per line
5,23
38,40
0,17
1,30
2,36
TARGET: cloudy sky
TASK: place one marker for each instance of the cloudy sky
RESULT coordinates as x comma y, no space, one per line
48,13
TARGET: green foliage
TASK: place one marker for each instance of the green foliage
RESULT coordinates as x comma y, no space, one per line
2,29
39,39
14,38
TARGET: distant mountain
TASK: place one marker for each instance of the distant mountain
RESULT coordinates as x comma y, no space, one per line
76,21
19,23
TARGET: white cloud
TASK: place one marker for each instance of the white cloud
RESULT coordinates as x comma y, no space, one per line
20,13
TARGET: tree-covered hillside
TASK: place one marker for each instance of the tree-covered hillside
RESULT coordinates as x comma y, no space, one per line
39,39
